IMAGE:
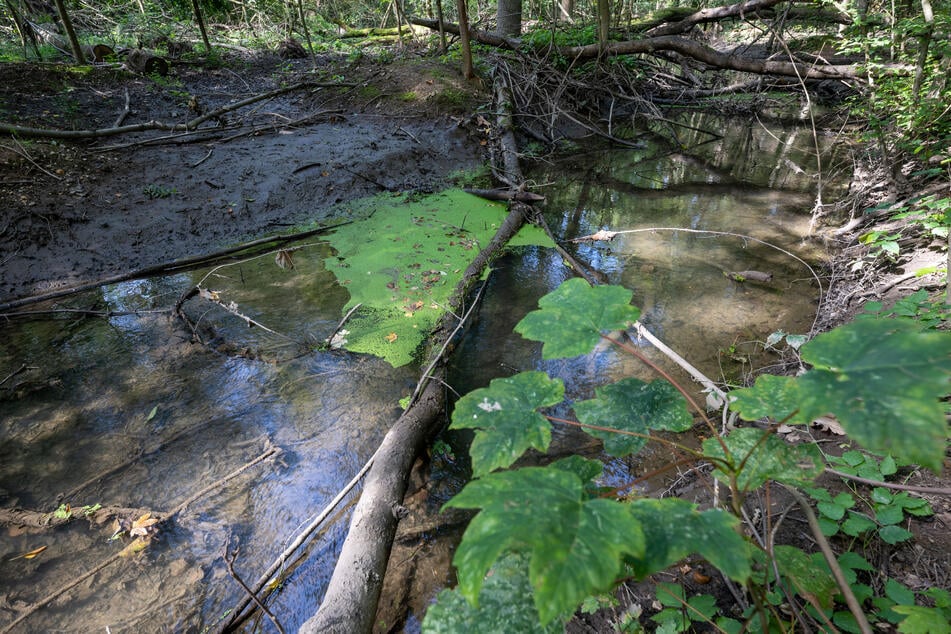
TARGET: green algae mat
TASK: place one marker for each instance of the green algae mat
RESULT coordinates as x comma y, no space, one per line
401,261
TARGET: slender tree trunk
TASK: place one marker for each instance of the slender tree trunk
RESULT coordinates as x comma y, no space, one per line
509,18
565,9
467,71
924,45
201,25
442,29
70,33
604,21
24,30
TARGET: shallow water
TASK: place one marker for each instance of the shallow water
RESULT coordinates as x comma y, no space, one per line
131,411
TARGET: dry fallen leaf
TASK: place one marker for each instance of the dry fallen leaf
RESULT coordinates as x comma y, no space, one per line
829,424
30,555
284,260
135,546
209,295
391,337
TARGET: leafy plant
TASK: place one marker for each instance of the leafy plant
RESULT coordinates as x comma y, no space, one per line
882,378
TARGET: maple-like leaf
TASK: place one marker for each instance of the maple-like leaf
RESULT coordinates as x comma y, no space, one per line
674,529
506,416
571,318
575,544
634,406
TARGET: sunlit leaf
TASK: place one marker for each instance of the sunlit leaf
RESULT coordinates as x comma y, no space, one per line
575,545
922,620
135,546
505,413
883,380
771,396
571,318
634,406
674,528
756,456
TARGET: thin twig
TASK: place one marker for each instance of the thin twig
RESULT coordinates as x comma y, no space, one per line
854,606
229,559
890,485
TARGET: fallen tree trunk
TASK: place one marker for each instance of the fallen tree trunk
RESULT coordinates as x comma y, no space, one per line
682,45
350,602
146,62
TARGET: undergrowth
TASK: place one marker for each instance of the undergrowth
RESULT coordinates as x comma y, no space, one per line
548,540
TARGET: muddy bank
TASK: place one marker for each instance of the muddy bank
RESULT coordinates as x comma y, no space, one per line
79,212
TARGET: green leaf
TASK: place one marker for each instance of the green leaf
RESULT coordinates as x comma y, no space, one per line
505,605
506,417
857,524
674,529
771,396
899,593
575,545
571,318
755,456
831,510
635,406
702,608
882,379
894,534
810,576
922,620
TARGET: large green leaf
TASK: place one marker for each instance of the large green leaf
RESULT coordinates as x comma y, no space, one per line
505,413
771,396
571,318
756,456
882,378
505,605
674,528
809,574
575,544
634,406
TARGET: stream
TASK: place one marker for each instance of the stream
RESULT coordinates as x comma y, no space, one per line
129,410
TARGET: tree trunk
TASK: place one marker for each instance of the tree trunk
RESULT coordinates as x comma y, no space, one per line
565,9
442,30
509,18
467,71
70,33
24,30
201,25
604,22
924,44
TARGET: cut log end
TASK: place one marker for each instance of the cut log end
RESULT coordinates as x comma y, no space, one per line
146,63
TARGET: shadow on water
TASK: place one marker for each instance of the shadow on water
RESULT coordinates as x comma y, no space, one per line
128,410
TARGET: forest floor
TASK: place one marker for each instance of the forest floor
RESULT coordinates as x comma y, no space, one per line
79,211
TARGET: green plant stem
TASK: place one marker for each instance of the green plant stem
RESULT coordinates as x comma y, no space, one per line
854,606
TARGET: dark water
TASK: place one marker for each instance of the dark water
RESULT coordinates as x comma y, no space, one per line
130,411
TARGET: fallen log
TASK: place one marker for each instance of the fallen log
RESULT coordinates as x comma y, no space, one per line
506,194
350,602
677,44
146,63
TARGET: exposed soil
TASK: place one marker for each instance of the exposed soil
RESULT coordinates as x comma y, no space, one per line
79,212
